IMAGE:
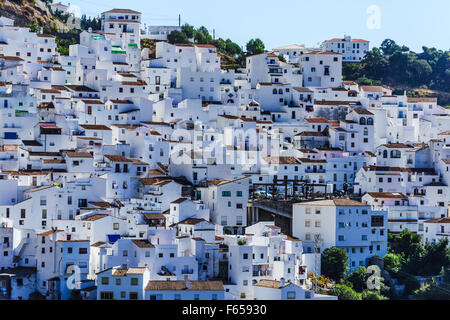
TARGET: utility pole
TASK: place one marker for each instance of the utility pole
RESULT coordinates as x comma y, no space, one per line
179,20
214,34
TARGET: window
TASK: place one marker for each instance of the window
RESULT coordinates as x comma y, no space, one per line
118,281
105,281
377,221
226,193
134,281
106,295
82,251
291,295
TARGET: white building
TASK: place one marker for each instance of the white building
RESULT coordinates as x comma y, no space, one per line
347,224
352,50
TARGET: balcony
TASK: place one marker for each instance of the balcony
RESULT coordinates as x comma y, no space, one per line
315,170
187,271
261,273
261,270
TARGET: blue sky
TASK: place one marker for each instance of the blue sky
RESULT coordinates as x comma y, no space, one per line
410,22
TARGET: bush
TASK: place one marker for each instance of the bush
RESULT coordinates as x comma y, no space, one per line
373,295
344,292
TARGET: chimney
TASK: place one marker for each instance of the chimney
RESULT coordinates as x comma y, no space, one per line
282,282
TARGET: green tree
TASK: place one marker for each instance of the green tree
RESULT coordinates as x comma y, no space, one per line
358,278
255,46
393,262
351,70
405,243
421,70
436,258
232,48
202,36
188,30
220,45
389,47
433,292
177,37
344,292
374,64
334,263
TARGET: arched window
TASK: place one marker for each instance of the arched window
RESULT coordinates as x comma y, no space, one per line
280,91
274,91
385,154
362,121
370,121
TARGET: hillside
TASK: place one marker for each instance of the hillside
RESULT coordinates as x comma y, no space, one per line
35,12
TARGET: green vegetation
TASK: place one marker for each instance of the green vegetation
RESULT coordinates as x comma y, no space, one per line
202,36
60,16
255,46
33,27
334,263
397,65
433,291
345,292
62,45
231,53
177,37
358,280
410,256
94,23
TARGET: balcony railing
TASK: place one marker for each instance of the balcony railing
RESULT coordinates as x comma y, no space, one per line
261,273
187,271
